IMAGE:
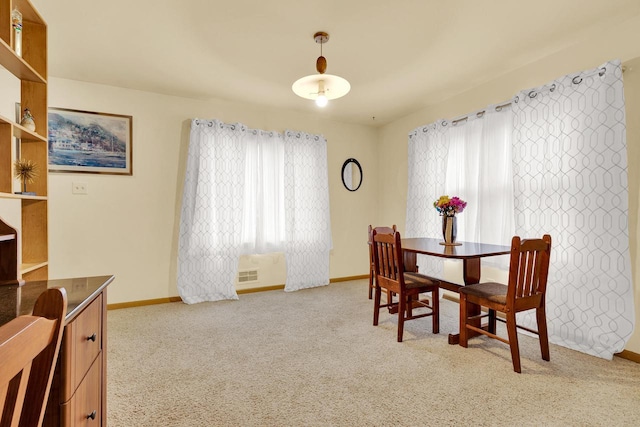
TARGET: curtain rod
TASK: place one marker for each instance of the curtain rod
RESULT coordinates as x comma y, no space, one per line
479,114
532,94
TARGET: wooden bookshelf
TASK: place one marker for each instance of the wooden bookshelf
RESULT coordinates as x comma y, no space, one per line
30,71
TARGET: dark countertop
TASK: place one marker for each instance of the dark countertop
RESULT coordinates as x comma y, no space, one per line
19,300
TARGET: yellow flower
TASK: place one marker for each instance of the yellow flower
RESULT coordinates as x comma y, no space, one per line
443,200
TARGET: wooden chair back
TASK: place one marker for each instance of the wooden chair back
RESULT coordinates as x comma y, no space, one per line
528,272
29,348
372,271
371,246
388,259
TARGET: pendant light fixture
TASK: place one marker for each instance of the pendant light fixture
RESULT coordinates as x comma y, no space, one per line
321,87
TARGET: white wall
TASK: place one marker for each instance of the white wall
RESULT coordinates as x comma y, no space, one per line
127,225
620,42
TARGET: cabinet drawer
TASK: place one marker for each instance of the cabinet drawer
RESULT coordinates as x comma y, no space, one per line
85,407
81,345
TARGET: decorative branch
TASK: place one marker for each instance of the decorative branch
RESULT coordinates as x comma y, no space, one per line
27,171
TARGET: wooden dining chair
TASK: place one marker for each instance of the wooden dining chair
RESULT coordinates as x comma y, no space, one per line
390,275
525,290
29,348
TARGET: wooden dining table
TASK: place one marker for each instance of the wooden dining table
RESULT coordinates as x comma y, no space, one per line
469,252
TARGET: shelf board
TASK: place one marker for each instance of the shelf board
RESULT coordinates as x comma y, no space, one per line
18,66
27,268
21,196
26,135
23,133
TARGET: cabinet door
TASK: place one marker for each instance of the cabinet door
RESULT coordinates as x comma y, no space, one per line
85,407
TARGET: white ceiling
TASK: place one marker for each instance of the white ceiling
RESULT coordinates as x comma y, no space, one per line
398,55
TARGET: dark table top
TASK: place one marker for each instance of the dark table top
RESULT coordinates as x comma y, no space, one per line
467,250
19,300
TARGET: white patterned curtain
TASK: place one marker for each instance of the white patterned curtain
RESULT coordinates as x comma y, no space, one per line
308,222
211,220
570,177
249,191
427,163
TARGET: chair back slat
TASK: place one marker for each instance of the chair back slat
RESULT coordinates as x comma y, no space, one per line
535,273
529,267
386,260
521,278
525,284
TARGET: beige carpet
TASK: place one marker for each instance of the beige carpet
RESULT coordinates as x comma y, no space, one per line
313,358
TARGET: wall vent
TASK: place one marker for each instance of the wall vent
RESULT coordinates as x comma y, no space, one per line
247,276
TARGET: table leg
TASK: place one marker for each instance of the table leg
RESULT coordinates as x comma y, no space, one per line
471,271
472,310
410,260
471,275
454,339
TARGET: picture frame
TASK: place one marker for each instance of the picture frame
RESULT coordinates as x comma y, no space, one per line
90,142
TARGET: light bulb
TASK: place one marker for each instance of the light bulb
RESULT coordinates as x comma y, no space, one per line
321,100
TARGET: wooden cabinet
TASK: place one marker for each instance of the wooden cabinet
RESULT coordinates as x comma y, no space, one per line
30,72
79,389
81,368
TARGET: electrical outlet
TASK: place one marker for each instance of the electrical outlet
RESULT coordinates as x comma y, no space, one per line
79,188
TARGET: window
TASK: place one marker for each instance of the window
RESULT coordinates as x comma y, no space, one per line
263,226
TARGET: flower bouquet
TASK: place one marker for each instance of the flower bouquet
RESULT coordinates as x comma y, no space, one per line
448,207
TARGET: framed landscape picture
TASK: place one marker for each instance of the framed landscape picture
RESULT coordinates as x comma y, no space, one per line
84,141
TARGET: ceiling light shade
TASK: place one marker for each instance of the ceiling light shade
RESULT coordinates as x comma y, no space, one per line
321,87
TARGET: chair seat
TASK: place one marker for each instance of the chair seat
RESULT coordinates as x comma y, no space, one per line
417,280
492,291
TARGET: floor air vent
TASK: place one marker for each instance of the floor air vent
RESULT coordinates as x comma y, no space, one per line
247,276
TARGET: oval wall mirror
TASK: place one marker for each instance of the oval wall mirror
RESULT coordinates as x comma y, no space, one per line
351,174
